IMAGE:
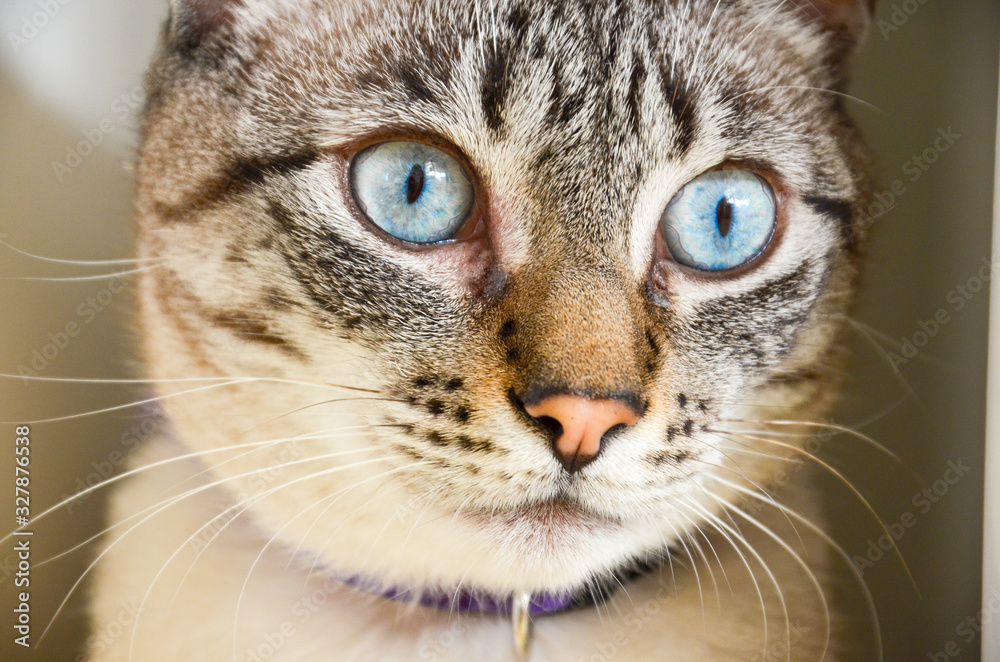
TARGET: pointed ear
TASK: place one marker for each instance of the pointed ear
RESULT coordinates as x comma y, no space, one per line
192,21
846,23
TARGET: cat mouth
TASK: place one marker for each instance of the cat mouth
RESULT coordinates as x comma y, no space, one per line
557,514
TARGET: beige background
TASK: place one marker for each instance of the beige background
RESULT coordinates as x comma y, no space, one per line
938,70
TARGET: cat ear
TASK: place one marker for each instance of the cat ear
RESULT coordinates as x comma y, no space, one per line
191,21
846,23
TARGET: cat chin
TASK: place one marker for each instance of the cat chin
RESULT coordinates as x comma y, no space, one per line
552,547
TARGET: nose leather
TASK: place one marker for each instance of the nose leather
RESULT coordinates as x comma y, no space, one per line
584,422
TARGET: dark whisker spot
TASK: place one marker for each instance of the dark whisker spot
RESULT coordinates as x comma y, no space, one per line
409,452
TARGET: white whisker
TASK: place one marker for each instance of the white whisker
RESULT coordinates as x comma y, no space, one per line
810,88
716,522
843,479
798,559
831,427
192,492
131,472
764,565
845,557
73,279
156,510
80,263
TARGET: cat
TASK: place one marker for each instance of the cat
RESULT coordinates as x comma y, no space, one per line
485,330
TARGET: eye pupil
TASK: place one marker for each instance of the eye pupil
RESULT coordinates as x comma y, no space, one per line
724,217
415,184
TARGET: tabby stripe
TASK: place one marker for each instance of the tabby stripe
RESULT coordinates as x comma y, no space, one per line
240,176
256,330
676,94
499,67
496,84
634,101
414,83
840,210
356,288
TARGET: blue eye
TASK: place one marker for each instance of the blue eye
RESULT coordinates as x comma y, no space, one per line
413,191
720,220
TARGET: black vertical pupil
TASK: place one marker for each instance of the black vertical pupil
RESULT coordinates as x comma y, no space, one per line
414,184
723,216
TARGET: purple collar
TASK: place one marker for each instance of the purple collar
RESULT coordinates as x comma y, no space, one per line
542,604
477,602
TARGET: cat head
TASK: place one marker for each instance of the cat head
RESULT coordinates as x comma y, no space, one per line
487,280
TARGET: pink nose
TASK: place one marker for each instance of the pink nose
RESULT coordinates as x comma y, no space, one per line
583,422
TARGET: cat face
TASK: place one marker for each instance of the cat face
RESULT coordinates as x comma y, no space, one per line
398,227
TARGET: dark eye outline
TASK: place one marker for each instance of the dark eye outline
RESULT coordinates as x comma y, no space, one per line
664,262
473,228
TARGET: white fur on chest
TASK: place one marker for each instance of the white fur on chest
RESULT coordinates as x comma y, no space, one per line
703,610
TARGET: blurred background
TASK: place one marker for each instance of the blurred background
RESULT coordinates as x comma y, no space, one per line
69,87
